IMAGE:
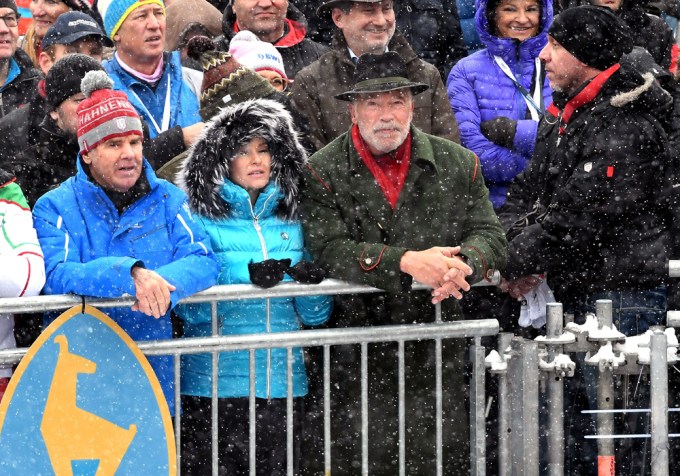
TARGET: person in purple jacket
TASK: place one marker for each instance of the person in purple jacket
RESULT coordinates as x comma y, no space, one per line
498,94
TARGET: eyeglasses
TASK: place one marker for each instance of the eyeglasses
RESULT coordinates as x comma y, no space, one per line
279,84
11,20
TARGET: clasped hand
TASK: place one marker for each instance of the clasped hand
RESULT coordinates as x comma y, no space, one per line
439,267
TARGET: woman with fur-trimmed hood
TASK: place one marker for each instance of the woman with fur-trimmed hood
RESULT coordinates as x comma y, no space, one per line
242,178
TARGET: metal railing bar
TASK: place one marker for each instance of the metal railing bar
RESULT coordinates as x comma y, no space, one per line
289,412
438,407
252,418
327,408
214,393
227,292
628,410
402,410
635,435
305,338
178,416
364,409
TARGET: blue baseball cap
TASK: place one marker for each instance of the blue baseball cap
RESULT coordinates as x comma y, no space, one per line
72,26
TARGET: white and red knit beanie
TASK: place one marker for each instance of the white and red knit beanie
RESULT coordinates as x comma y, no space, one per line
105,113
255,54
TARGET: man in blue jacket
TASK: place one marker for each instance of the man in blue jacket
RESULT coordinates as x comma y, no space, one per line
116,229
164,93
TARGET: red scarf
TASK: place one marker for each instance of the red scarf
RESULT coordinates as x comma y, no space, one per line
584,97
390,169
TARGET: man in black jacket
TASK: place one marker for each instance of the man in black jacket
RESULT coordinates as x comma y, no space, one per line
589,200
73,32
590,211
276,22
432,28
18,77
50,157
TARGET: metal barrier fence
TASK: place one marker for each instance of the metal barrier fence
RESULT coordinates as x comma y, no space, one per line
436,331
520,364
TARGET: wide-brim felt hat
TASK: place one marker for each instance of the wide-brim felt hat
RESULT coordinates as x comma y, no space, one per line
381,73
326,7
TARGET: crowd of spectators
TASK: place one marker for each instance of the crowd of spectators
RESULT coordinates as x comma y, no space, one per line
167,147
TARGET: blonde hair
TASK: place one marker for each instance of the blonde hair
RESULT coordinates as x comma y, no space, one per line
31,44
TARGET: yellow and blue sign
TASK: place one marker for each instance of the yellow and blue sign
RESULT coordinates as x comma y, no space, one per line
85,400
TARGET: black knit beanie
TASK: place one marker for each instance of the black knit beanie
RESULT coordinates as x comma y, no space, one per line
64,77
9,4
593,34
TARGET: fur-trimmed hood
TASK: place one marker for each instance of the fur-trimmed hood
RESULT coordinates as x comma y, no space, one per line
208,163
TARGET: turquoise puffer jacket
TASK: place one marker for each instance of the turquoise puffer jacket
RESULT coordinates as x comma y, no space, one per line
251,233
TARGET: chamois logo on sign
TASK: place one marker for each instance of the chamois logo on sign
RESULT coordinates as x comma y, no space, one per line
84,401
64,422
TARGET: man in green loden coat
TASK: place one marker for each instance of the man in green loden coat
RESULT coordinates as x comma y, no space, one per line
386,204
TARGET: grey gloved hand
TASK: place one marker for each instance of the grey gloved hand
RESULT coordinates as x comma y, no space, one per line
500,131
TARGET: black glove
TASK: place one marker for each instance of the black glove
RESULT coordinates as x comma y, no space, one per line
500,131
306,272
268,273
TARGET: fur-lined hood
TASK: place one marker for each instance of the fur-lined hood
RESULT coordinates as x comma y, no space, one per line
208,162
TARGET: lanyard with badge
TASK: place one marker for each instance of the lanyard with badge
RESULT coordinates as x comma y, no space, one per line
165,123
535,99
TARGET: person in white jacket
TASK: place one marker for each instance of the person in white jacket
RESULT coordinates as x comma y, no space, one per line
22,269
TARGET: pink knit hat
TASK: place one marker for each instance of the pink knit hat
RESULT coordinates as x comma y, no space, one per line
255,54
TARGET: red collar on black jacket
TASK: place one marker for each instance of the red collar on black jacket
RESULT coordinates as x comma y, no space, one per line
294,33
586,95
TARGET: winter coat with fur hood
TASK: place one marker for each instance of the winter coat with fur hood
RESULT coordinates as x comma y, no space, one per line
590,211
241,232
479,91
